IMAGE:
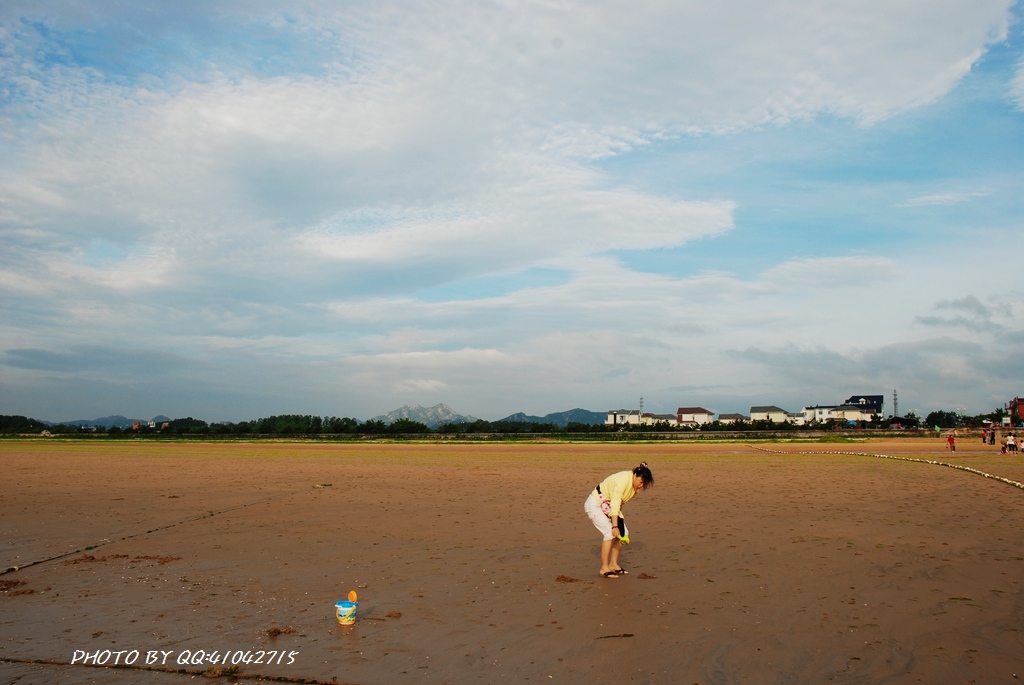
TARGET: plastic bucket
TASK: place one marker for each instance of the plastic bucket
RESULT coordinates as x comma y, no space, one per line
346,612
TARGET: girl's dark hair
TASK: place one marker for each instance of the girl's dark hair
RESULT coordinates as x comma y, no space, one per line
645,473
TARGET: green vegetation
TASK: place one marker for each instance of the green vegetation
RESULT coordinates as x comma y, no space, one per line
344,428
952,419
20,424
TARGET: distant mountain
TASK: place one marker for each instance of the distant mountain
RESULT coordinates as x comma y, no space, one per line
111,421
562,418
105,422
432,417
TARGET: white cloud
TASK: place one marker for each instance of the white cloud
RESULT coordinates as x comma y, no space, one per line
457,358
288,216
941,199
782,61
832,272
1017,86
145,270
527,223
420,385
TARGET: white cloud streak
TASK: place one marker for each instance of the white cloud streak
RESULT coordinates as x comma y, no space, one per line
1017,86
941,199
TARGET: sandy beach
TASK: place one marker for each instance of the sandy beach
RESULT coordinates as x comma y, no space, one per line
475,563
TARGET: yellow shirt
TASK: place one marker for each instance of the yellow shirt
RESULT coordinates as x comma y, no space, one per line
617,489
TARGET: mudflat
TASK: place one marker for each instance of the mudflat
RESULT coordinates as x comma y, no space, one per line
475,563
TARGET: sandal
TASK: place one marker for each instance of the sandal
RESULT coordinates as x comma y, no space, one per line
621,571
610,574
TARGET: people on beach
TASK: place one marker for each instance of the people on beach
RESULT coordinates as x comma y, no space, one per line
604,507
951,443
1011,443
984,437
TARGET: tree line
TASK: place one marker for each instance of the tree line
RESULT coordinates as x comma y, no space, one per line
310,425
306,425
952,419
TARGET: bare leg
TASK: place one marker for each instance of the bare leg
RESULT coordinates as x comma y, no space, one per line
610,554
613,561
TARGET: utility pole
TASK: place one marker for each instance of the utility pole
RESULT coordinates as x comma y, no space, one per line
895,404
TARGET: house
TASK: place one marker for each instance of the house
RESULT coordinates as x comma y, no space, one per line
655,419
769,412
1015,408
726,419
819,413
856,408
901,422
694,416
623,417
633,417
796,418
856,412
874,403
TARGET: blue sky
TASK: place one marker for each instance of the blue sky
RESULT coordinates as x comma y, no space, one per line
237,209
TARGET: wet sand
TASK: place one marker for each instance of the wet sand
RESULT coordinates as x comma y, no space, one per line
476,563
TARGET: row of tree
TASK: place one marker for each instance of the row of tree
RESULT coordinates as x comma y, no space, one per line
309,425
952,419
20,424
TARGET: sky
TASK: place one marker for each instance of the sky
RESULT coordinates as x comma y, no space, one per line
239,209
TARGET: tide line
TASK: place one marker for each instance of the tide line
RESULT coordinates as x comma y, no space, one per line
958,467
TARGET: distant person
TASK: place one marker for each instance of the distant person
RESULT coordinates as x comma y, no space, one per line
1011,443
992,438
604,507
951,443
984,437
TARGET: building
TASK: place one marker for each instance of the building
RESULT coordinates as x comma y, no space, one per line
1015,408
856,412
855,409
726,419
796,418
694,416
769,412
623,417
634,417
819,413
874,403
655,419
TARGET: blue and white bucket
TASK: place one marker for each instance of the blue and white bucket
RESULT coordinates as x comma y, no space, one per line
346,612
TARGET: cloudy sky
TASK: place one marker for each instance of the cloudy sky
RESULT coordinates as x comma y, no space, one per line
244,208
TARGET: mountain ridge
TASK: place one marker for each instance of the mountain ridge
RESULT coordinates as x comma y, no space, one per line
560,418
432,417
108,422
